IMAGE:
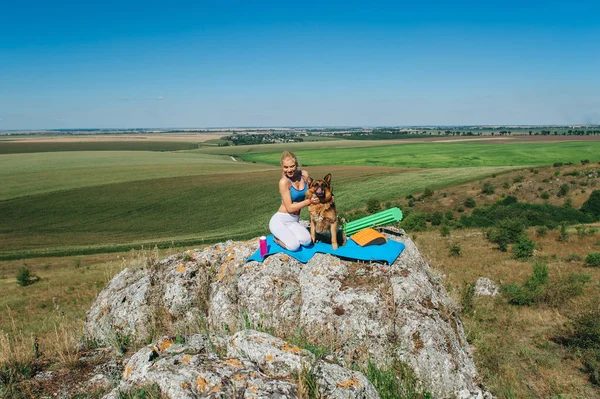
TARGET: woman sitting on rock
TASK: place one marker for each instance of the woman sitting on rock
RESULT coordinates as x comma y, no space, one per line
284,225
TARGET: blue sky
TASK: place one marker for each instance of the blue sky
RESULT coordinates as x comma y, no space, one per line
112,64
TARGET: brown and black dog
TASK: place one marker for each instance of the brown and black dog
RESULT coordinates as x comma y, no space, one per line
323,217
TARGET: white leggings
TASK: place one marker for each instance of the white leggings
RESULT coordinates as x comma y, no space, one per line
286,228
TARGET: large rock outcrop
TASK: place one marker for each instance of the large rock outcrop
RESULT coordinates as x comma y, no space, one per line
358,311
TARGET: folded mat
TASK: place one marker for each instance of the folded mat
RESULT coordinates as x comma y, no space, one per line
387,252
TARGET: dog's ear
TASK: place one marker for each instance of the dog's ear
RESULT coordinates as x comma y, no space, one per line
327,179
309,180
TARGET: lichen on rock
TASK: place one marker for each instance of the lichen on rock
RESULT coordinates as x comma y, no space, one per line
358,311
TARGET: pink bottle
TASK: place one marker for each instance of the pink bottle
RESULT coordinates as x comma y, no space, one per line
263,246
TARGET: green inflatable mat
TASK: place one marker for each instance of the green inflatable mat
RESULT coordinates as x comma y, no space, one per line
388,216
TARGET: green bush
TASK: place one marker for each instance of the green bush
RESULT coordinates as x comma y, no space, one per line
507,231
26,277
593,259
529,214
488,188
563,235
584,336
518,179
415,221
545,195
531,291
592,205
437,218
523,248
373,205
449,215
557,173
445,230
557,164
564,190
470,202
455,250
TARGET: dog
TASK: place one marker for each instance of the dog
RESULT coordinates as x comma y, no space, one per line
323,216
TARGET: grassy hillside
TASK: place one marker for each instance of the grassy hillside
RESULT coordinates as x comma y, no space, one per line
29,174
188,209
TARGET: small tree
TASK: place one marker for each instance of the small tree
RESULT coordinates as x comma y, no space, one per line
428,193
26,277
563,236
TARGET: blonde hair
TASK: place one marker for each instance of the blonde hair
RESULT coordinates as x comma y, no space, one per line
288,155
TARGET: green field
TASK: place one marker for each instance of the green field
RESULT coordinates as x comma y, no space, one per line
427,155
190,209
29,174
9,147
94,201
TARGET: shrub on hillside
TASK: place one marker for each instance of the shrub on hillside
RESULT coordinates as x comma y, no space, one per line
541,231
584,337
592,205
506,231
488,188
531,291
449,215
415,221
445,230
563,235
561,290
593,259
26,277
529,214
564,190
545,195
557,164
437,218
470,202
455,250
518,179
523,248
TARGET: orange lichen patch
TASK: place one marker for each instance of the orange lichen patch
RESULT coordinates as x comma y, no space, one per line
234,363
186,359
127,371
239,377
269,358
230,257
348,384
221,273
185,385
180,268
217,388
203,385
285,258
164,344
290,348
254,389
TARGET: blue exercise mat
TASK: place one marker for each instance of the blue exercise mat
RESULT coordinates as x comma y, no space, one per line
387,252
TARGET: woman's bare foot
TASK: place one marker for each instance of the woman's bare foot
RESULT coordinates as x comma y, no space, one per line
279,242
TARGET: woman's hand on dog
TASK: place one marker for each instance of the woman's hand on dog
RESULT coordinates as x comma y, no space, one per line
314,200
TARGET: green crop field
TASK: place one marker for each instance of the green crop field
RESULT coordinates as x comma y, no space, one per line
188,209
427,155
9,147
29,174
